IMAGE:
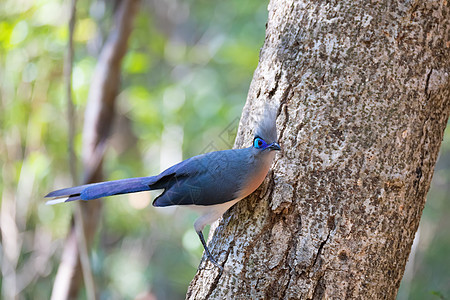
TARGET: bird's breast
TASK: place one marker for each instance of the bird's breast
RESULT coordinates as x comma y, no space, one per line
256,176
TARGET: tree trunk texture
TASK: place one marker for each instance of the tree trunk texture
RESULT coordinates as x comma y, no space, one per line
363,91
97,126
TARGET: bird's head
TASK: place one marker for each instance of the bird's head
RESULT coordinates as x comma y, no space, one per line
266,134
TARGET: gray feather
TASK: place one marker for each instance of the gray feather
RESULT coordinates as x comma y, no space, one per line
267,127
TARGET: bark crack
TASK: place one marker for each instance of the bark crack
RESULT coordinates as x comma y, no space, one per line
320,248
227,254
283,101
427,84
284,98
275,88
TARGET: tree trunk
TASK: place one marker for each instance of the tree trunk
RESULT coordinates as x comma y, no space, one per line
363,90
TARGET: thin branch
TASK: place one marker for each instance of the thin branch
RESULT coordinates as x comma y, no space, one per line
78,216
83,252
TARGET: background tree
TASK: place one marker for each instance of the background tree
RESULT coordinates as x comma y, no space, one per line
364,91
184,78
98,123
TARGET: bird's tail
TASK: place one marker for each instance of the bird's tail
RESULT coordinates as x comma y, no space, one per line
101,189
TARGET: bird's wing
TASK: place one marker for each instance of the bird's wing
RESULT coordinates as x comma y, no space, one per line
207,179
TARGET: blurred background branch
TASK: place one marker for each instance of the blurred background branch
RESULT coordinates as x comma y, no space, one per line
68,67
98,122
185,78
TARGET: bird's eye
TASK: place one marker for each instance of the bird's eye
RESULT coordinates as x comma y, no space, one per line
259,143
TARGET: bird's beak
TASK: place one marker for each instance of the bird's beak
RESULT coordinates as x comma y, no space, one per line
274,146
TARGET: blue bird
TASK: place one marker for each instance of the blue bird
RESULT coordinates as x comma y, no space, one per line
210,183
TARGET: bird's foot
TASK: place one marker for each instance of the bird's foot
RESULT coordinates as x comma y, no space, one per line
208,254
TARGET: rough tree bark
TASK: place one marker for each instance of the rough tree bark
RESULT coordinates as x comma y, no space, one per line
364,94
97,126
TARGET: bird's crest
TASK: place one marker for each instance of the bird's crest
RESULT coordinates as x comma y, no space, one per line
267,127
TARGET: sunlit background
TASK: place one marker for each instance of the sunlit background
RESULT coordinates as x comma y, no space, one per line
184,82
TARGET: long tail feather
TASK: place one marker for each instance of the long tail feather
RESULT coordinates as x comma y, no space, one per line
99,190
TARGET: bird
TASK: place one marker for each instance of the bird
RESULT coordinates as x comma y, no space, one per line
209,183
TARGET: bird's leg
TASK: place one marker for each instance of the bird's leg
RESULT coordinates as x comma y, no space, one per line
208,254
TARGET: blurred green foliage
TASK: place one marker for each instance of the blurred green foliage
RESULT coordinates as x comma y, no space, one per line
185,80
